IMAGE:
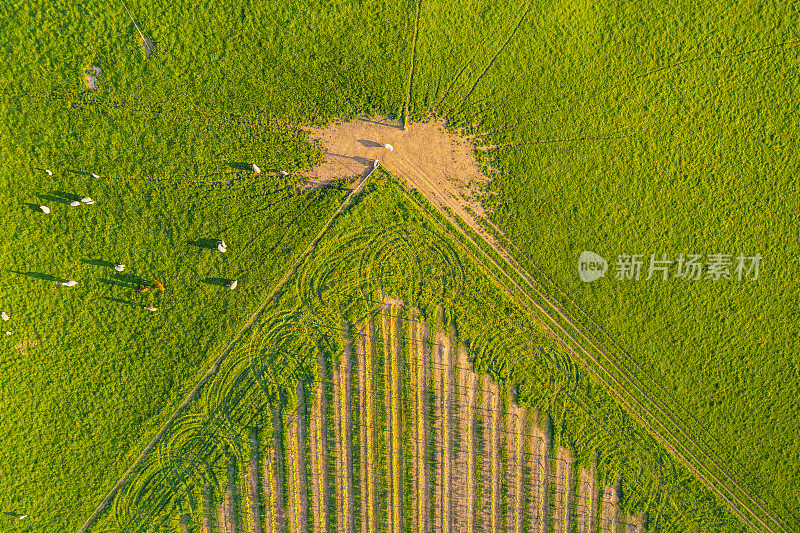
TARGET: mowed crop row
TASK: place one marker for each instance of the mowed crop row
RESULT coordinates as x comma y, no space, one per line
475,460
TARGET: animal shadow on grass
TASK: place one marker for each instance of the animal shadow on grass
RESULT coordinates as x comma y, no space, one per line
66,196
33,207
238,165
97,262
219,282
209,244
39,275
120,301
370,144
53,198
127,281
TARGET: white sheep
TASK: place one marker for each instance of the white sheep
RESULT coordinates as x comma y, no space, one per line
48,171
95,175
76,203
70,283
119,268
389,147
44,209
4,316
234,284
149,308
256,169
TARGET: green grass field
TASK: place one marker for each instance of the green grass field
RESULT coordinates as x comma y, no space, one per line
636,128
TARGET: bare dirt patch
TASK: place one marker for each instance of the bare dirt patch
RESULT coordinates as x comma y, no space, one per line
426,156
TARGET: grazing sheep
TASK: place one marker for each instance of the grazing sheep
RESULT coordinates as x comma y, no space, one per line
222,247
95,175
8,333
70,283
75,203
119,268
4,316
158,285
48,171
44,209
256,169
234,284
389,147
149,308
87,200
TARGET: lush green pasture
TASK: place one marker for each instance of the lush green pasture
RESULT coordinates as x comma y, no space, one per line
651,128
639,128
106,372
386,245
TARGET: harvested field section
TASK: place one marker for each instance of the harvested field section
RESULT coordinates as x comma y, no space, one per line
458,456
539,488
294,477
370,425
347,521
438,421
302,461
421,426
338,446
491,514
254,514
586,513
320,416
208,511
221,523
464,484
396,410
231,501
563,493
447,444
609,518
278,472
515,452
270,492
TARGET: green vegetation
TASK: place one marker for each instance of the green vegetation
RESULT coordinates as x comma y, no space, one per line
635,128
650,128
343,280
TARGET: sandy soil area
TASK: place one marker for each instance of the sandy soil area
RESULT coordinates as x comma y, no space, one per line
425,156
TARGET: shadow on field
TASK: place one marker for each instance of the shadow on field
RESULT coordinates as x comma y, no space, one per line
356,158
238,165
67,196
33,207
209,244
97,262
370,144
219,282
39,275
53,198
126,281
127,303
78,172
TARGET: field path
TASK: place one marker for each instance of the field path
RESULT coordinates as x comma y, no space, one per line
218,361
443,168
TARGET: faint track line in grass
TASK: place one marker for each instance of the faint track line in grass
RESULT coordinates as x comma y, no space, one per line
215,367
411,69
458,75
490,63
680,449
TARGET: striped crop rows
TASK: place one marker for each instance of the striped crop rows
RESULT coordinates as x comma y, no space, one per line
398,433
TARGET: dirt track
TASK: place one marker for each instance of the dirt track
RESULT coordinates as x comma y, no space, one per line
426,157
442,166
